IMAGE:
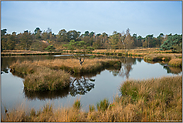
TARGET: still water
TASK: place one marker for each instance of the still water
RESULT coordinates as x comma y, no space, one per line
90,89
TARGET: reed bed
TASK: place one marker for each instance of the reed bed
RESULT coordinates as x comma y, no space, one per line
151,100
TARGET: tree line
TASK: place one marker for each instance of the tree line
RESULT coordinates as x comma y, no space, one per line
41,40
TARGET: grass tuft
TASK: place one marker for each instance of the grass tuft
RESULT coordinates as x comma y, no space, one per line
103,105
175,62
77,105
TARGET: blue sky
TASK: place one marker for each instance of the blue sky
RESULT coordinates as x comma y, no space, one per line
141,17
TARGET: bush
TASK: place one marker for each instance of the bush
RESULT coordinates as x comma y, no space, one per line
174,43
50,48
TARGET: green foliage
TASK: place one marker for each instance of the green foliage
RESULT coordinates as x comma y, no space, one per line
174,43
3,32
77,104
103,105
50,48
128,90
89,40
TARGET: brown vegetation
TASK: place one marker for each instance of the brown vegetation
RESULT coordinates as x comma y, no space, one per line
70,65
152,100
161,57
26,52
45,79
40,78
48,75
175,62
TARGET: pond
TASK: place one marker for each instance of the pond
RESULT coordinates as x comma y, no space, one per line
90,89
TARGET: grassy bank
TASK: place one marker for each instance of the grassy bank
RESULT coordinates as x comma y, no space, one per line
139,52
174,60
153,100
70,65
26,52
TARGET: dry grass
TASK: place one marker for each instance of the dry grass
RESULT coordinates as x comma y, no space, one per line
175,62
149,100
156,99
49,75
72,65
45,79
25,52
40,78
133,52
161,57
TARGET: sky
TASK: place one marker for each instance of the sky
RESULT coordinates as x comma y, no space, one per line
141,17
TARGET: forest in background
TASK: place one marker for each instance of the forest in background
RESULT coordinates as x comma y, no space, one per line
44,40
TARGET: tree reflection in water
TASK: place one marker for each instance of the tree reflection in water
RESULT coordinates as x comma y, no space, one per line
81,85
126,67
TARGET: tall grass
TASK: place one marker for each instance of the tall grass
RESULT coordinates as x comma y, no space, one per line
46,79
156,99
40,78
151,100
103,105
175,62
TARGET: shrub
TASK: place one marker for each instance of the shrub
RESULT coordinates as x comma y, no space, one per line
50,48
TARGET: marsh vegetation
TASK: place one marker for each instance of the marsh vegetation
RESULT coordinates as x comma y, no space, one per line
57,78
150,100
